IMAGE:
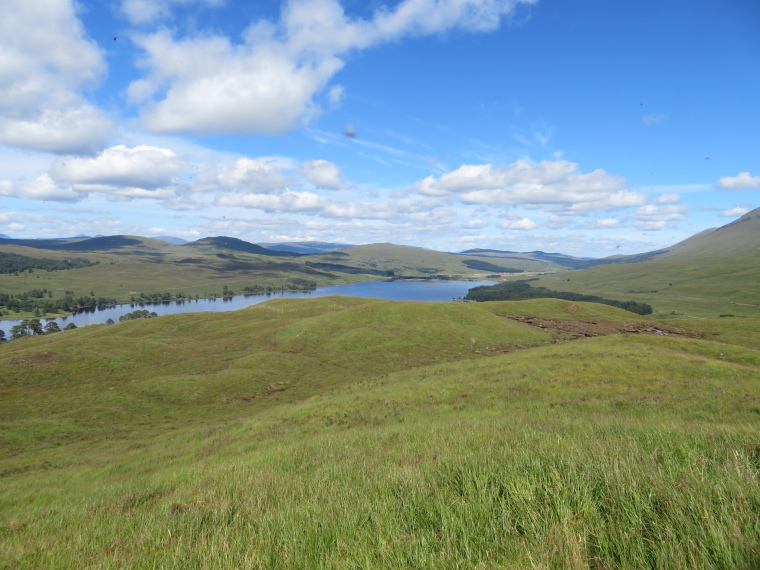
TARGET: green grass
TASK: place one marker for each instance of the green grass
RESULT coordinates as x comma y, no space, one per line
704,287
348,433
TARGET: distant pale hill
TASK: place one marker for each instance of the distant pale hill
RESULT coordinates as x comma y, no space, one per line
171,239
306,246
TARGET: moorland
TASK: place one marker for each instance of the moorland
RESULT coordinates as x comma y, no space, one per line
354,433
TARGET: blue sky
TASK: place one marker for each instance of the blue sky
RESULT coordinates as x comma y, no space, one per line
591,127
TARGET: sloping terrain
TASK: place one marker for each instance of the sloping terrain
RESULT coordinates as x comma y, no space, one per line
713,273
341,432
420,262
234,244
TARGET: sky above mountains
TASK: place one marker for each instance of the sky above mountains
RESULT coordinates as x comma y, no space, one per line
588,127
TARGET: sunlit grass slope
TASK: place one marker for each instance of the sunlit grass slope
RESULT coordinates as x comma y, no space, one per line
347,433
697,287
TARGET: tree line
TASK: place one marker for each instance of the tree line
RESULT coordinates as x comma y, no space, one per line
40,302
521,290
33,327
15,263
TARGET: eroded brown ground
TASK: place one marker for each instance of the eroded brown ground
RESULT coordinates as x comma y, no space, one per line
572,329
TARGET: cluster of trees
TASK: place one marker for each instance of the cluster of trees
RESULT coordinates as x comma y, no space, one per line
520,290
158,297
294,284
39,302
138,314
32,327
14,263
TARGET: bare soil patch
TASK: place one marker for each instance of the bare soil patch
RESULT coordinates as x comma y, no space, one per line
35,360
572,329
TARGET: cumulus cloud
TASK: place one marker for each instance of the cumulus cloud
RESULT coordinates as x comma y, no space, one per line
267,83
743,181
142,166
552,185
735,211
523,224
475,224
603,224
420,211
667,199
661,213
323,174
41,188
250,175
45,63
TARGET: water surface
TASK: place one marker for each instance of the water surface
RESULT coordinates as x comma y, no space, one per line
432,291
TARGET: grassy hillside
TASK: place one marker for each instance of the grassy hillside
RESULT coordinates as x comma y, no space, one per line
340,432
416,261
129,265
126,266
705,287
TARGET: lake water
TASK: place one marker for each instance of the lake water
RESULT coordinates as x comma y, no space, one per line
433,291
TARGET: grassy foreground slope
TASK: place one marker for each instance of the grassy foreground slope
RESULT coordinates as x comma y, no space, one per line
345,433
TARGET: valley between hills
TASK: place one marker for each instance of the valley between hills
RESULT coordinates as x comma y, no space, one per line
339,432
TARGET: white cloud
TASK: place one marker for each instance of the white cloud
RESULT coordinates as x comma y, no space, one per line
667,199
142,166
145,11
323,174
743,181
267,84
651,226
557,222
16,227
8,217
41,188
603,224
475,224
335,95
661,213
45,62
551,185
420,211
253,175
523,224
287,201
735,211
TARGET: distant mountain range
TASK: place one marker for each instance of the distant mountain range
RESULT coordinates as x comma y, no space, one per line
740,235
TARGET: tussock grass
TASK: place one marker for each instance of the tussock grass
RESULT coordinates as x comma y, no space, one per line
622,451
